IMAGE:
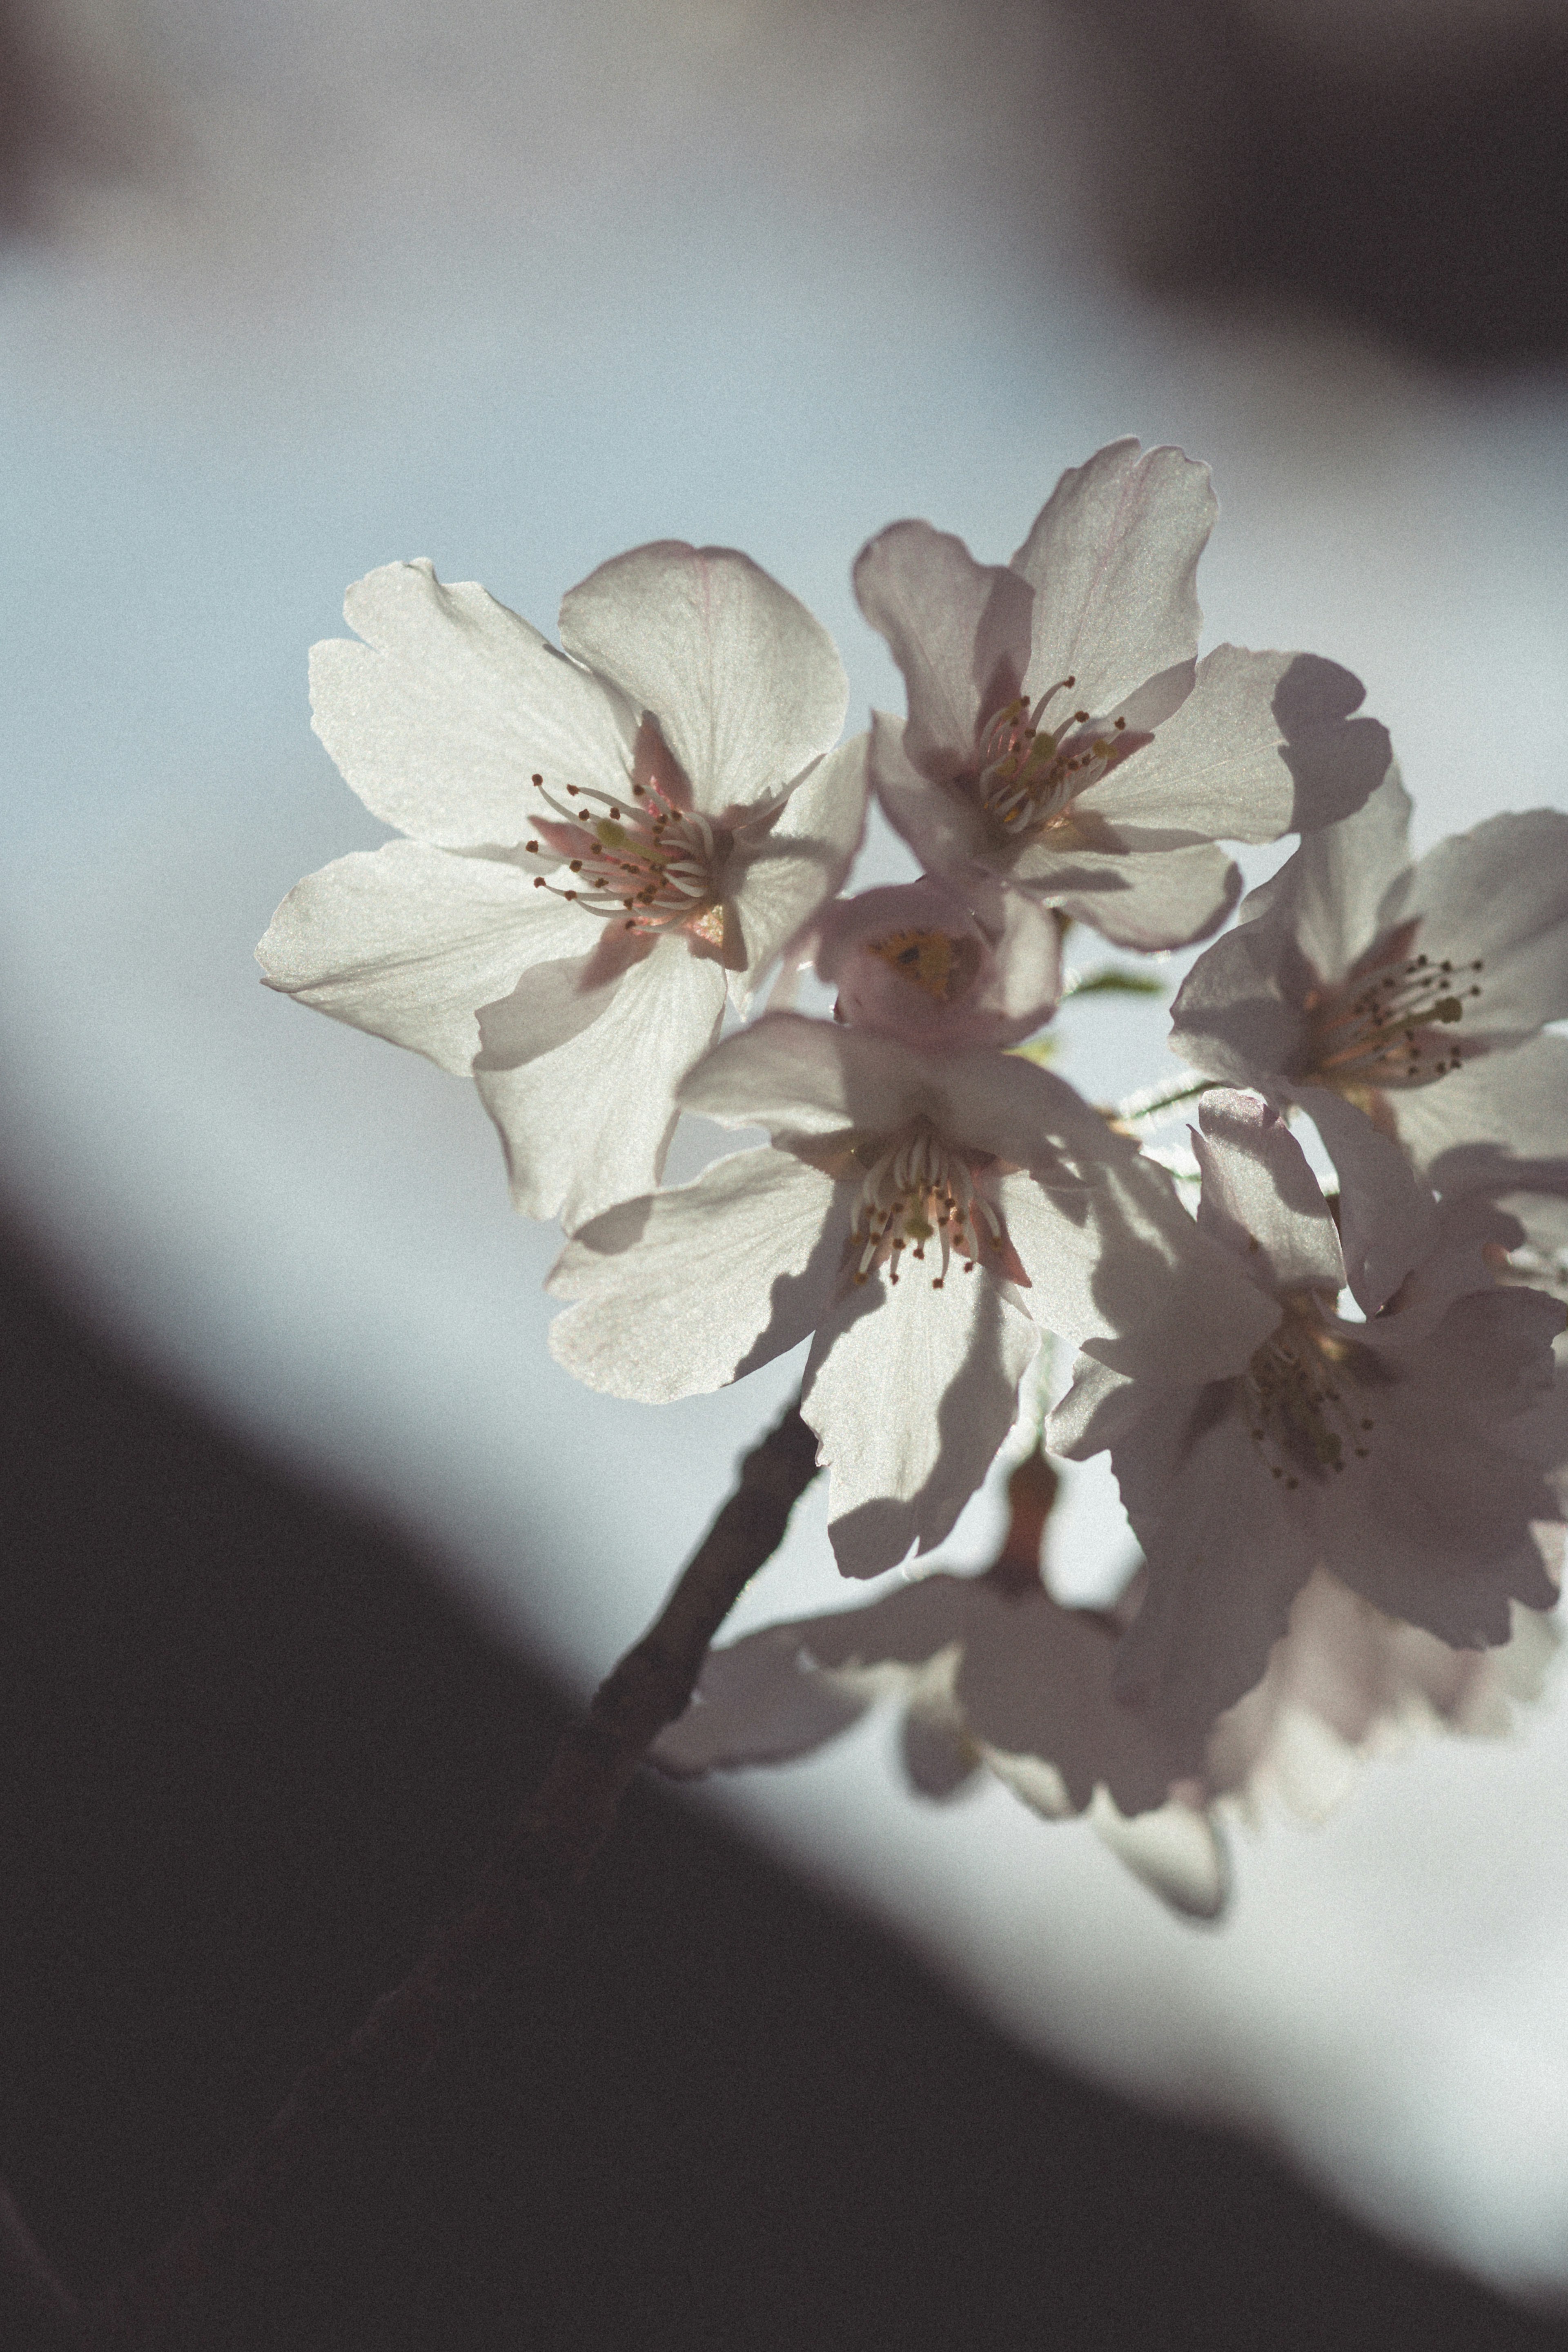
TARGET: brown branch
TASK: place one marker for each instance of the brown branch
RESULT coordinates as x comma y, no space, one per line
546,1856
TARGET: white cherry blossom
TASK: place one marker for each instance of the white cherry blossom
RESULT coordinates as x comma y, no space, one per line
604,843
921,1218
1400,1003
1062,735
1394,1452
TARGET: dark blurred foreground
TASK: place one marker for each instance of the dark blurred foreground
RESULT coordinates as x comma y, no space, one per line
251,1750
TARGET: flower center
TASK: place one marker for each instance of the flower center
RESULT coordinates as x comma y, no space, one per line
919,1191
1392,1027
1031,773
938,963
653,864
1299,1415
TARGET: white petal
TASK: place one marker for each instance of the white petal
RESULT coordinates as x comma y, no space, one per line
912,1390
745,686
680,1292
1176,1851
759,1701
1224,1560
409,942
798,1076
945,828
803,858
1231,1017
1261,746
1331,897
958,630
1112,560
1260,1199
1143,899
1500,893
439,719
590,1123
1495,1122
1387,1219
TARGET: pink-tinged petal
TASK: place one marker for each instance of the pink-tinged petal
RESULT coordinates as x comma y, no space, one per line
1261,746
913,962
1113,560
680,1292
912,1390
1495,1123
1145,900
745,684
1387,1218
944,828
1225,1559
1499,894
441,718
801,859
590,1123
409,942
1260,1199
958,630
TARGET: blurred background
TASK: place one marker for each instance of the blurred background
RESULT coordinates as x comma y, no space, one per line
309,1541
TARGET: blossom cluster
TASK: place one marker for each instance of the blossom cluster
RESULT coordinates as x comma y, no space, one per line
1334,1415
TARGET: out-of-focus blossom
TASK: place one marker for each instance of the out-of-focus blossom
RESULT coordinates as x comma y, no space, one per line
922,1218
1396,1001
990,1672
1380,1451
913,962
602,843
1062,735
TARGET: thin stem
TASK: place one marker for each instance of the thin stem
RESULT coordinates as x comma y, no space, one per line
546,1858
1150,1100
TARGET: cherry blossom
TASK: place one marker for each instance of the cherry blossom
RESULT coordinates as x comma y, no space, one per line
921,1218
1397,1003
1392,1452
913,962
604,843
1062,736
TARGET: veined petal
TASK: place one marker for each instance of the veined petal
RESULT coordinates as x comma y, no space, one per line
912,1392
958,630
1333,896
745,685
1231,1016
409,942
439,719
802,859
1113,560
1260,1199
1262,745
798,1076
590,1123
1499,893
680,1292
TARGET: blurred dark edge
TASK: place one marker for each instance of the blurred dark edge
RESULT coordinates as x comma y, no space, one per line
252,1748
1418,188
1414,188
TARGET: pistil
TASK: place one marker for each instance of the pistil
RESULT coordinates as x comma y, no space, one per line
1029,773
918,1193
1392,1028
641,857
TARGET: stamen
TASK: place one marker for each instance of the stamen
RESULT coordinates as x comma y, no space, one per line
918,1191
1383,1030
654,866
1295,1389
